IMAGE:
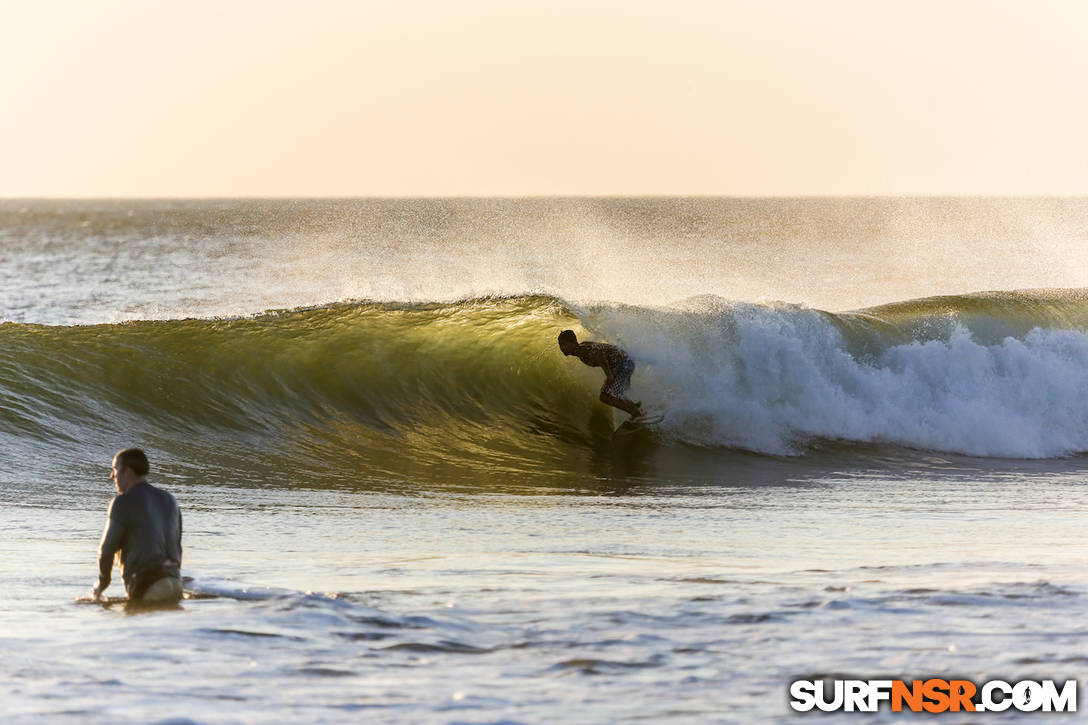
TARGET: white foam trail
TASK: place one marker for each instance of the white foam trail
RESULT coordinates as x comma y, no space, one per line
770,378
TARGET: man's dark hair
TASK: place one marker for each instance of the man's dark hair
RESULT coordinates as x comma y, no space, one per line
135,459
568,336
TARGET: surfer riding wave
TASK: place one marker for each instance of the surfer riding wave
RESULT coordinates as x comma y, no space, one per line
617,365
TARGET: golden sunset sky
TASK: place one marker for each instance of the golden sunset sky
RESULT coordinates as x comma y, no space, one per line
478,97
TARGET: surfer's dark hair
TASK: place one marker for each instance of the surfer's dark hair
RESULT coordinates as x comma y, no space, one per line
135,459
568,336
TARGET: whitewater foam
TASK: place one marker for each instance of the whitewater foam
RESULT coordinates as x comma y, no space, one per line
773,378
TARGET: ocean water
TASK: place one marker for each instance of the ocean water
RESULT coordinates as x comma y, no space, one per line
403,504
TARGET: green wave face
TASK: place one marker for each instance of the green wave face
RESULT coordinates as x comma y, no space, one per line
392,389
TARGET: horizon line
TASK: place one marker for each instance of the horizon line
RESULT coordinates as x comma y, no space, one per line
530,197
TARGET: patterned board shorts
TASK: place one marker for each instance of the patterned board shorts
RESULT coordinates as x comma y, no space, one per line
621,382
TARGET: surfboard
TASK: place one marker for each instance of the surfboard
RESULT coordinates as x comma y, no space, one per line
632,425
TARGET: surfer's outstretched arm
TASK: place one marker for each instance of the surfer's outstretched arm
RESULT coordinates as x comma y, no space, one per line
112,537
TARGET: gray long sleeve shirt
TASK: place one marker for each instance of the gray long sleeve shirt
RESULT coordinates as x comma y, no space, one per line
144,524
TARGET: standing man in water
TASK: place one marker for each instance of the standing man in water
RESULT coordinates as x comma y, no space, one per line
617,366
144,524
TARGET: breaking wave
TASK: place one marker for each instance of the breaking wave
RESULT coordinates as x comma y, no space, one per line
480,383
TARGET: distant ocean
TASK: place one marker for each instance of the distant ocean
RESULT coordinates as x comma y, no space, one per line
403,504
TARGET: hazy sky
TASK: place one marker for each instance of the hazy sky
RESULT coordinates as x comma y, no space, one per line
323,98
